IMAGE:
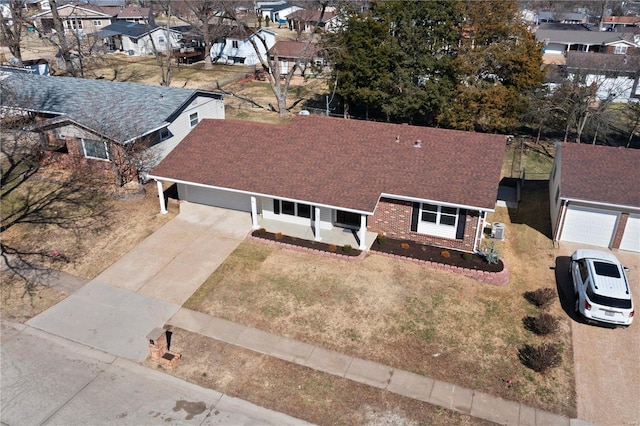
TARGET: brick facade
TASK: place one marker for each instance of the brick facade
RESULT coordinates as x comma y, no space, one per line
393,217
622,224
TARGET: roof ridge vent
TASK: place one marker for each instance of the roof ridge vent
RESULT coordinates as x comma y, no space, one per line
417,143
398,139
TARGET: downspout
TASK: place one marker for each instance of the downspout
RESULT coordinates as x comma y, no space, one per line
481,224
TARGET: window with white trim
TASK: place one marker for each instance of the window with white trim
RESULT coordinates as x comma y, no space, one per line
95,149
193,119
620,50
97,23
234,44
439,215
161,40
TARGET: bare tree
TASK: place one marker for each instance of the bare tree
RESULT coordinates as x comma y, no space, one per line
204,11
11,29
163,59
31,200
279,83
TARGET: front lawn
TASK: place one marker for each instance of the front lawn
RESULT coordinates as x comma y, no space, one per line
427,321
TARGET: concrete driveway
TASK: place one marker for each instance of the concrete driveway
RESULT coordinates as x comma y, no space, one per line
606,360
115,311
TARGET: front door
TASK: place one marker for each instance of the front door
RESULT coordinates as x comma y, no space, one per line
347,219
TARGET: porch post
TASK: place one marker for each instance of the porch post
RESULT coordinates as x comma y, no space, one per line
163,207
317,224
363,232
254,213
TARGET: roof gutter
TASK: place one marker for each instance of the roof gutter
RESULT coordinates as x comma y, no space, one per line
438,202
597,203
257,194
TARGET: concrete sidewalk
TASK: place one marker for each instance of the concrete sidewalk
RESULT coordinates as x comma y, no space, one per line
452,397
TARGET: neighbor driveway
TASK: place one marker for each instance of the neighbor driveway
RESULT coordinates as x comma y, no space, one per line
605,360
115,311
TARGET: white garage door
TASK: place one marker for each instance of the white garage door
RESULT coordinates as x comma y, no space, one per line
215,197
631,237
589,226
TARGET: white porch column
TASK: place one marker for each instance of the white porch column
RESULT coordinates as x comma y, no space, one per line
254,213
317,224
163,207
363,232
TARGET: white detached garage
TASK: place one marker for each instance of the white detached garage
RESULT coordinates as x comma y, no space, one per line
593,196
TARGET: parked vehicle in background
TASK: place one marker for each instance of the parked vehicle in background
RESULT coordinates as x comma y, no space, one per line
601,288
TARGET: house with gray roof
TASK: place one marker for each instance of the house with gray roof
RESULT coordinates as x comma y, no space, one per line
138,39
353,177
594,197
615,77
100,122
559,42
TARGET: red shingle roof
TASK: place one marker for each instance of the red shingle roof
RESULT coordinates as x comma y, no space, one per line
340,163
600,174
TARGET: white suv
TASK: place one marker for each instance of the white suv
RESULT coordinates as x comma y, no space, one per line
601,287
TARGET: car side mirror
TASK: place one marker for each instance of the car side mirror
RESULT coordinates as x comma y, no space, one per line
625,269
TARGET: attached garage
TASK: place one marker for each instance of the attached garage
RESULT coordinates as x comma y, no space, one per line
215,197
586,225
631,237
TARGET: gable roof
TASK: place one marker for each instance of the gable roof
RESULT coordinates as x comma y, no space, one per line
340,163
600,174
130,29
235,32
601,62
292,49
583,37
119,111
84,11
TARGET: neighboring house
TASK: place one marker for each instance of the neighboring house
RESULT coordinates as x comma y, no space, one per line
561,41
290,52
429,185
89,18
233,45
139,39
78,19
612,23
93,122
573,18
594,196
616,77
305,20
277,12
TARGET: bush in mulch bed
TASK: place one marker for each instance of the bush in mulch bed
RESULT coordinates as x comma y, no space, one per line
345,250
451,257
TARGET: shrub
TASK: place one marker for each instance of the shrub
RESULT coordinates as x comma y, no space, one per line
346,248
404,246
467,256
332,248
491,253
278,235
540,358
542,297
262,231
381,239
445,254
543,324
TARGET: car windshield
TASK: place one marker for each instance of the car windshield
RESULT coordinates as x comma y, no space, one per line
606,269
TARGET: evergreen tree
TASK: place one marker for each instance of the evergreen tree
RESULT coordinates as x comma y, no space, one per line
499,64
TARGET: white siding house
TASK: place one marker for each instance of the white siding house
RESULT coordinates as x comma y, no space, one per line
236,48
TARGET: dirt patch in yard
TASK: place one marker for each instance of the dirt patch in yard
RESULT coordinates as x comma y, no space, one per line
301,392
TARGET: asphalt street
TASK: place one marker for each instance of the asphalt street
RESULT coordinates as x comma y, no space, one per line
48,380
